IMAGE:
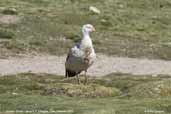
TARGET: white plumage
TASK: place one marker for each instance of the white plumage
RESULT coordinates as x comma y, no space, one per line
82,55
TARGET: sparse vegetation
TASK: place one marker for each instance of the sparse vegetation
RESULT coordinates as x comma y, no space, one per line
124,28
6,34
37,92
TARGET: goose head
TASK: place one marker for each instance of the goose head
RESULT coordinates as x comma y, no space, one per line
87,28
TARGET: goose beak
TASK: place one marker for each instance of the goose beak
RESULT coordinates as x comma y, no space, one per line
93,29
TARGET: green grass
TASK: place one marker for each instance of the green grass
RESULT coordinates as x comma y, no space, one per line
6,34
124,28
26,92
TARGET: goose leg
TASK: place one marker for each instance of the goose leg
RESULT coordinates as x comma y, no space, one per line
78,79
86,78
66,74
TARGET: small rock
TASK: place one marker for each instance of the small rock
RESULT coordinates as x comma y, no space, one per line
103,21
14,10
155,17
2,8
154,75
14,93
167,44
94,10
121,5
29,71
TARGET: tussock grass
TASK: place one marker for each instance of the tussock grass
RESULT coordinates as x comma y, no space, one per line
9,11
6,34
84,91
115,93
112,85
51,85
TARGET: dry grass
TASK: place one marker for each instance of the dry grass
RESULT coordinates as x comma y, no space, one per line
83,91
